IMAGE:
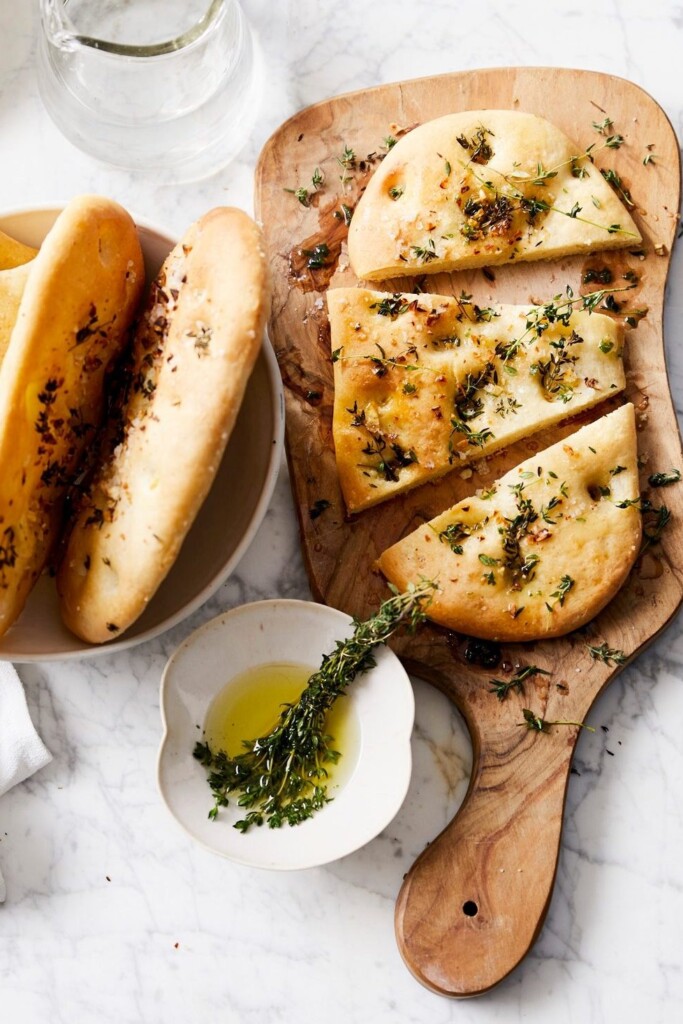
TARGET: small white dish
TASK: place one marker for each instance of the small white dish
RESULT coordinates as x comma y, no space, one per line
381,700
226,523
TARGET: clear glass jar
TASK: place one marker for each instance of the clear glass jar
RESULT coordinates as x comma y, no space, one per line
150,85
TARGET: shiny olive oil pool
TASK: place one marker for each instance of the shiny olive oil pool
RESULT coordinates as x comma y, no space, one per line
249,707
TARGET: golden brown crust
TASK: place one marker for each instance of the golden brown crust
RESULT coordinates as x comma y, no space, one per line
413,373
194,350
543,554
480,188
80,296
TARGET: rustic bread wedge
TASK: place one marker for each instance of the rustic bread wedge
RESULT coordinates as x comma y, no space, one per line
79,298
426,383
193,351
484,187
542,552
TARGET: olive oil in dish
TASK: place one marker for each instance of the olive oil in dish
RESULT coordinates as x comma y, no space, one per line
249,706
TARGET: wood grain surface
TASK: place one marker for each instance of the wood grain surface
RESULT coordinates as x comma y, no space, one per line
474,901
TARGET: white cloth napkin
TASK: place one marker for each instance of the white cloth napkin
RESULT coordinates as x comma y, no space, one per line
22,752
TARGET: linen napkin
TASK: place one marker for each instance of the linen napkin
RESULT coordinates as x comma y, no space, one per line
22,752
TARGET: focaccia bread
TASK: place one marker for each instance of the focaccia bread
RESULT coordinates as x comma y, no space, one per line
80,296
193,352
479,188
427,383
544,550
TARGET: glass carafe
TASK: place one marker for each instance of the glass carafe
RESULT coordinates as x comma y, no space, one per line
156,85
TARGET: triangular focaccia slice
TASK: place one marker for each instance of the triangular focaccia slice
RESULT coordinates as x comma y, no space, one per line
479,188
426,383
544,550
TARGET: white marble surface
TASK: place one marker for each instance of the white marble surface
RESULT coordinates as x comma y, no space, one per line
112,915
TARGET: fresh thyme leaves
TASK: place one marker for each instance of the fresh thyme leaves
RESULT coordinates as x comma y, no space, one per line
382,362
604,126
389,142
478,147
280,778
392,457
547,509
655,521
347,162
467,404
348,158
425,253
456,532
506,405
318,507
476,438
317,256
501,687
531,206
613,179
522,568
392,305
664,479
537,724
302,193
655,518
563,588
395,192
605,653
555,373
486,216
612,141
344,213
606,346
557,311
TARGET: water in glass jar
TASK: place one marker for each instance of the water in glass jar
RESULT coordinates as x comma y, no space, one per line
150,84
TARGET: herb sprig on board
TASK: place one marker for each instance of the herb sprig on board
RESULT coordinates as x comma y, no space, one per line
537,724
281,778
501,687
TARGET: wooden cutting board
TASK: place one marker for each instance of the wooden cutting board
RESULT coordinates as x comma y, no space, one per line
474,901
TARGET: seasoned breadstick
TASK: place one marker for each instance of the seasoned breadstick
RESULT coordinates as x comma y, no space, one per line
194,349
82,291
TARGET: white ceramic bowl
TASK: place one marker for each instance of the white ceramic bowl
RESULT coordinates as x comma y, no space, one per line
228,519
381,700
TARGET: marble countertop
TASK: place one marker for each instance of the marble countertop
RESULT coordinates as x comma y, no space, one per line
112,914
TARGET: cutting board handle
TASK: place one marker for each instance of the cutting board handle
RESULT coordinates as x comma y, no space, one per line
474,901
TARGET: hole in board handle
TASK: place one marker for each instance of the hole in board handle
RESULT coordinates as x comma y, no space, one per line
470,908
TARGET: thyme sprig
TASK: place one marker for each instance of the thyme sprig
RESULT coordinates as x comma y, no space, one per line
606,654
557,311
537,724
501,687
281,778
532,206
